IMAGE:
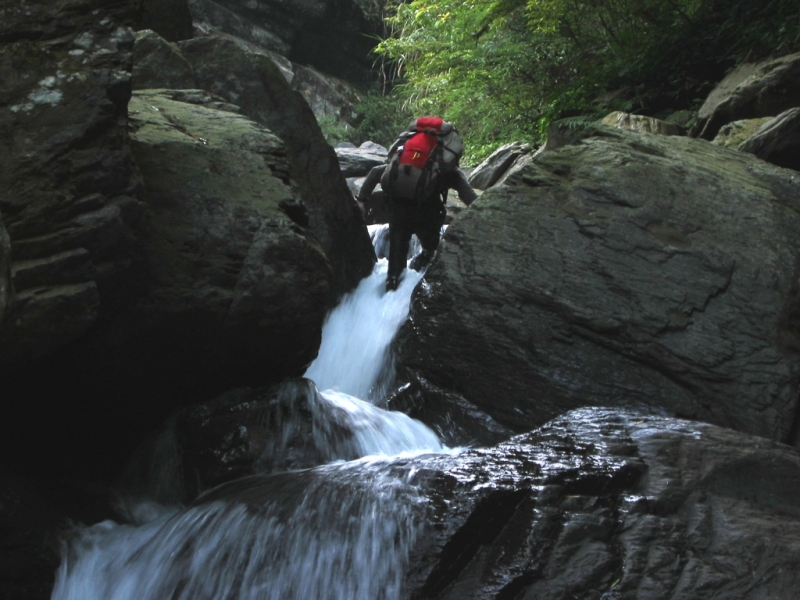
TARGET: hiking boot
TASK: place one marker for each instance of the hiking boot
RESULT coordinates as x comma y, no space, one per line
392,283
421,260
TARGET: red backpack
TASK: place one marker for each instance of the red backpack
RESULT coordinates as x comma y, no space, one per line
418,158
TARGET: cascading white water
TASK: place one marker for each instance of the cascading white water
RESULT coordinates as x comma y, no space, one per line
340,532
354,353
348,537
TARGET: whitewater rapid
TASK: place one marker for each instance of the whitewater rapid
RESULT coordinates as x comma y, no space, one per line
341,531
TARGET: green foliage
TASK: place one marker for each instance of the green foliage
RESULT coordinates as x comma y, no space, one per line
381,118
371,9
503,69
334,130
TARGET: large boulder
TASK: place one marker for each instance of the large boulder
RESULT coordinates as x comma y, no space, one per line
489,172
159,64
251,80
172,19
598,504
621,269
642,124
332,36
232,271
68,186
227,286
357,162
28,540
605,504
777,141
329,97
733,134
6,287
750,91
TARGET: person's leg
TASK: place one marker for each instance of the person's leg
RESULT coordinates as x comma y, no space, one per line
428,228
401,227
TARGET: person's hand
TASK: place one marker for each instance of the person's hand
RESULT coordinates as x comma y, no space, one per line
362,208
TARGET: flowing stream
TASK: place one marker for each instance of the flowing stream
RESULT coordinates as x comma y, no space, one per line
341,531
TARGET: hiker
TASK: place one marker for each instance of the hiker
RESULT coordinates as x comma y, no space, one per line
422,166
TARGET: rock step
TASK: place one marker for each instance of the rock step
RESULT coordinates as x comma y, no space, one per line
69,267
46,318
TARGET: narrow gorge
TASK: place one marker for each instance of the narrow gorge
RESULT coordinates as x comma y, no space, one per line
591,392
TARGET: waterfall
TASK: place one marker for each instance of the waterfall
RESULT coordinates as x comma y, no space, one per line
354,353
341,531
347,537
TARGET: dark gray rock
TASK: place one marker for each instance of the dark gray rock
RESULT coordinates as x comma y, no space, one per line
68,183
225,241
226,287
251,80
777,141
596,504
357,162
642,124
334,37
171,19
159,64
734,134
215,17
6,285
622,269
28,540
326,95
489,172
457,422
46,318
246,432
762,90
242,432
373,147
655,508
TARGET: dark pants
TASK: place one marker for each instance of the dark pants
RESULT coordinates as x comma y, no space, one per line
408,218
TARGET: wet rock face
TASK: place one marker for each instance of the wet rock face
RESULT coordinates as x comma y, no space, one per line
246,432
314,32
159,64
172,19
28,540
251,80
224,241
6,289
623,270
599,503
69,189
457,422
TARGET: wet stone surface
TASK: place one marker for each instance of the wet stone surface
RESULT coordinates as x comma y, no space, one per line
597,504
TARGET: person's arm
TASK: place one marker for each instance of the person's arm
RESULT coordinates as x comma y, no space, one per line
460,184
372,180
